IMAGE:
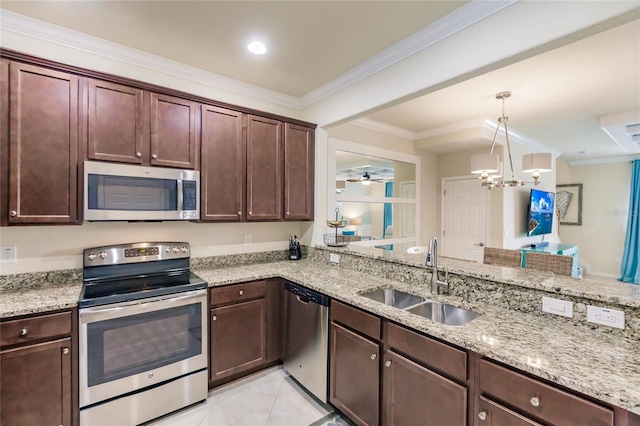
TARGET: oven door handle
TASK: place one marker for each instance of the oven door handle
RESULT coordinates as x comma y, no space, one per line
98,313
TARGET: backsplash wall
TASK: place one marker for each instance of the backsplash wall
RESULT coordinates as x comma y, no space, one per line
47,248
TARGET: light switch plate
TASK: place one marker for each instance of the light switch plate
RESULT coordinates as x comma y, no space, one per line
334,258
557,307
605,316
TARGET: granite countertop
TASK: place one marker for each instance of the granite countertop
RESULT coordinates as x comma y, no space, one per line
592,362
597,364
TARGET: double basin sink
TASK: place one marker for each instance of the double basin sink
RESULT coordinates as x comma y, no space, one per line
435,311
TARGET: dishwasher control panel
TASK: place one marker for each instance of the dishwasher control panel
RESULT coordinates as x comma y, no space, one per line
307,295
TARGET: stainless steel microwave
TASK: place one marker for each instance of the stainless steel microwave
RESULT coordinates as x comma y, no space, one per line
129,192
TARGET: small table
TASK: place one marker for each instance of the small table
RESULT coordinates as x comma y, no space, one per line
552,248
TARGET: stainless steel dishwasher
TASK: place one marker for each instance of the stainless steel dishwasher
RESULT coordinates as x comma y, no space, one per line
306,338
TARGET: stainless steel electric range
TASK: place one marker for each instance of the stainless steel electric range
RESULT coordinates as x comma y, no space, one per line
143,333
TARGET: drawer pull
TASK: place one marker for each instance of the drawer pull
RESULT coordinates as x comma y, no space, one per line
13,213
154,156
23,332
482,415
214,318
387,363
138,154
535,401
374,356
241,292
65,351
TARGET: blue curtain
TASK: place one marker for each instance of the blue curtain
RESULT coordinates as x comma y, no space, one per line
388,209
631,257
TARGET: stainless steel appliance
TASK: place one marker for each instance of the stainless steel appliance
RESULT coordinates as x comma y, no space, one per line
128,192
307,338
143,333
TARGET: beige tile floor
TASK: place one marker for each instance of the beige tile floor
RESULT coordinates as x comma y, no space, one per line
267,398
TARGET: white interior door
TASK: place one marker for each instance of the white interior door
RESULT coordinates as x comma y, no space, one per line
408,212
464,219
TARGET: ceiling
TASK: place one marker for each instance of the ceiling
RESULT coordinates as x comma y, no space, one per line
559,97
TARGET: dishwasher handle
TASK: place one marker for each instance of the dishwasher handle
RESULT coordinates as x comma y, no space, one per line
305,295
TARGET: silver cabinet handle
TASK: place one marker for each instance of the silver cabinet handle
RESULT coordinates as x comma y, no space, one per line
239,213
154,156
535,401
482,415
288,213
387,363
138,154
23,332
65,351
241,292
374,356
250,213
214,318
13,213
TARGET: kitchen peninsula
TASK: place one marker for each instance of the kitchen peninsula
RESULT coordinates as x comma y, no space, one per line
597,362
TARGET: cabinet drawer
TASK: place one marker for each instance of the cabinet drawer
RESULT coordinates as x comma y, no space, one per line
430,352
35,328
365,323
238,293
540,400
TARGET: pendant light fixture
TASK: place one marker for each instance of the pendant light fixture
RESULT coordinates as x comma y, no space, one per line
489,167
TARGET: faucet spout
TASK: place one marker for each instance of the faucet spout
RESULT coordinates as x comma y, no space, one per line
432,261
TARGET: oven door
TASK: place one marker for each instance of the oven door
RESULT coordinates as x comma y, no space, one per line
130,346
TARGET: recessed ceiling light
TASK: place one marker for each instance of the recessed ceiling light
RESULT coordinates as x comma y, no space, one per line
257,47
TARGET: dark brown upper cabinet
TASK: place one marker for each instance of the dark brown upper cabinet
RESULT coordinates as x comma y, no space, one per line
264,168
222,168
299,160
130,125
43,145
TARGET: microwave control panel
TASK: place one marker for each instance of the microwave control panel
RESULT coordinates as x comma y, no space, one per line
189,195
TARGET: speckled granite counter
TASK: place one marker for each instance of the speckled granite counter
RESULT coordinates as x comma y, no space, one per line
550,349
602,365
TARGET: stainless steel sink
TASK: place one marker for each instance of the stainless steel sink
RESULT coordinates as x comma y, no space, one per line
443,313
395,298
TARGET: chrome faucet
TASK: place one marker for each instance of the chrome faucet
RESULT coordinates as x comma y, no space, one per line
432,261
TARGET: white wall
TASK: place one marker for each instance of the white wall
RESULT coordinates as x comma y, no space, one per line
605,209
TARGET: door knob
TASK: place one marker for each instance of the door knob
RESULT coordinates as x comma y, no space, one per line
480,244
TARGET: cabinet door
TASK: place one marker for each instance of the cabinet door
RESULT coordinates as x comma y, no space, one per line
413,393
35,386
299,160
493,414
264,168
115,123
222,170
43,153
4,141
238,338
275,326
173,132
354,376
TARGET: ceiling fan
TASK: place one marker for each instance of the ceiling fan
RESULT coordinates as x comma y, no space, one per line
365,179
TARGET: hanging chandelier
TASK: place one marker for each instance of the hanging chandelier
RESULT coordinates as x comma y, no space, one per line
489,167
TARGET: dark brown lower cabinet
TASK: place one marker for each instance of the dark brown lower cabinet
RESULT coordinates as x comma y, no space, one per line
35,386
354,375
494,414
415,395
238,338
245,328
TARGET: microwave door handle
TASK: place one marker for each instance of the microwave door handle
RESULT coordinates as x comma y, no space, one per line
180,195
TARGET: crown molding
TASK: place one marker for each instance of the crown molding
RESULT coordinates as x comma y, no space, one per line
461,18
456,21
604,160
40,30
384,128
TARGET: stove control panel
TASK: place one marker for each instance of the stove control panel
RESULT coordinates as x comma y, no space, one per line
135,253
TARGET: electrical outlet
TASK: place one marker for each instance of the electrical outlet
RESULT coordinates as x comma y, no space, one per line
604,316
8,254
557,307
334,258
247,240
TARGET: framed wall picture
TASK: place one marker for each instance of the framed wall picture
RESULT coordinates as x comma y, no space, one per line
569,203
